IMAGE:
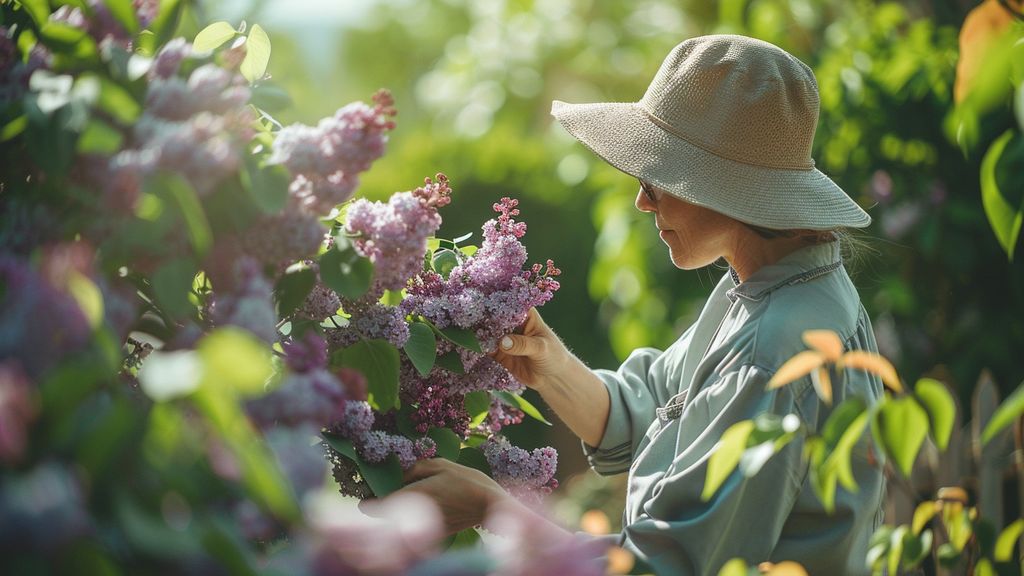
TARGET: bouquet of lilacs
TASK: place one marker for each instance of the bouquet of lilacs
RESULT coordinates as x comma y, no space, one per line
444,390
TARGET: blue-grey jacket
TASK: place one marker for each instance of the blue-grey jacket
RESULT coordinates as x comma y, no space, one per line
669,409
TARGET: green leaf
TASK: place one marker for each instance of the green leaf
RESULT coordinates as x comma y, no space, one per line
345,271
462,337
261,476
900,427
257,55
940,406
896,543
167,21
198,227
213,36
840,419
452,362
292,289
725,456
922,515
88,297
467,538
478,405
233,358
266,184
1007,540
524,405
474,458
270,97
39,10
1001,188
172,284
383,478
378,361
99,138
734,567
62,38
421,347
443,262
448,443
123,12
116,101
755,457
984,568
1008,411
842,454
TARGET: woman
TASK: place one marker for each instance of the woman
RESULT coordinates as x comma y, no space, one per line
721,145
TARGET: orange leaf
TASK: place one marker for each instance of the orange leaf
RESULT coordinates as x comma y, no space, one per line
875,364
825,341
795,368
822,384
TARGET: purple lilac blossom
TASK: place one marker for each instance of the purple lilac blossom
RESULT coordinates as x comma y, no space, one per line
315,397
489,292
394,235
250,304
305,353
371,321
284,238
299,456
39,325
320,303
42,509
526,475
326,159
17,411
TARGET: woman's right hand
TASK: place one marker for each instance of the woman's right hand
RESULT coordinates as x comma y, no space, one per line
534,355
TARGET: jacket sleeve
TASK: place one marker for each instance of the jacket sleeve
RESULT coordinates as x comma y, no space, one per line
636,390
678,533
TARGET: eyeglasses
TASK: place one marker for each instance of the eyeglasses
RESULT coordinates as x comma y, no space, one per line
648,191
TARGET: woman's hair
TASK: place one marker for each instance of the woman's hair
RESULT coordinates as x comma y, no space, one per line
853,244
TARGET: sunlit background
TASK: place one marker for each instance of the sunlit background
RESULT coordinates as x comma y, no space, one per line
474,80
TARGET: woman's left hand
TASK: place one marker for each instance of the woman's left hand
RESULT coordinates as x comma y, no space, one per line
463,494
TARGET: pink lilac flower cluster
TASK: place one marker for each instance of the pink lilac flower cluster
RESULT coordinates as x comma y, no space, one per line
489,292
394,235
281,239
370,321
249,304
40,323
526,475
321,302
326,159
17,411
499,416
196,126
436,405
309,394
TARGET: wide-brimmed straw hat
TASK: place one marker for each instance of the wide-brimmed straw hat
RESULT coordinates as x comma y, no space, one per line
727,123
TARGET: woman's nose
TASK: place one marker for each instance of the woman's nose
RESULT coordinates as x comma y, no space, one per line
643,203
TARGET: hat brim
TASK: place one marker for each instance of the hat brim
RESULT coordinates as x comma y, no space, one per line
626,137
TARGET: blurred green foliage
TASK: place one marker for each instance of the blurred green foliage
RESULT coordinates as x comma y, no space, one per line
474,80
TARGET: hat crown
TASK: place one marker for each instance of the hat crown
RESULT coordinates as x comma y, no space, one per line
740,98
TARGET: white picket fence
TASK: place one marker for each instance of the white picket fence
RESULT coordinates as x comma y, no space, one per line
986,472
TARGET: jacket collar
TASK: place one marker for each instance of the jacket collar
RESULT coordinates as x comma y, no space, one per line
799,266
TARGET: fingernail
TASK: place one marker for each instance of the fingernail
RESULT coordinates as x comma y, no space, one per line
506,343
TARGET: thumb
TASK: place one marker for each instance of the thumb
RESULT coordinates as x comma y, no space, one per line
519,345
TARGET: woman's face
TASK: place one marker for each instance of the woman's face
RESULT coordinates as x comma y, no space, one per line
695,236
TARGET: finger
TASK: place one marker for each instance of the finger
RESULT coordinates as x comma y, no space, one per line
420,470
519,345
369,507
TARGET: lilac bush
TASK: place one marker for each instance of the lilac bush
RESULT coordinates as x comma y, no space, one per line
199,320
